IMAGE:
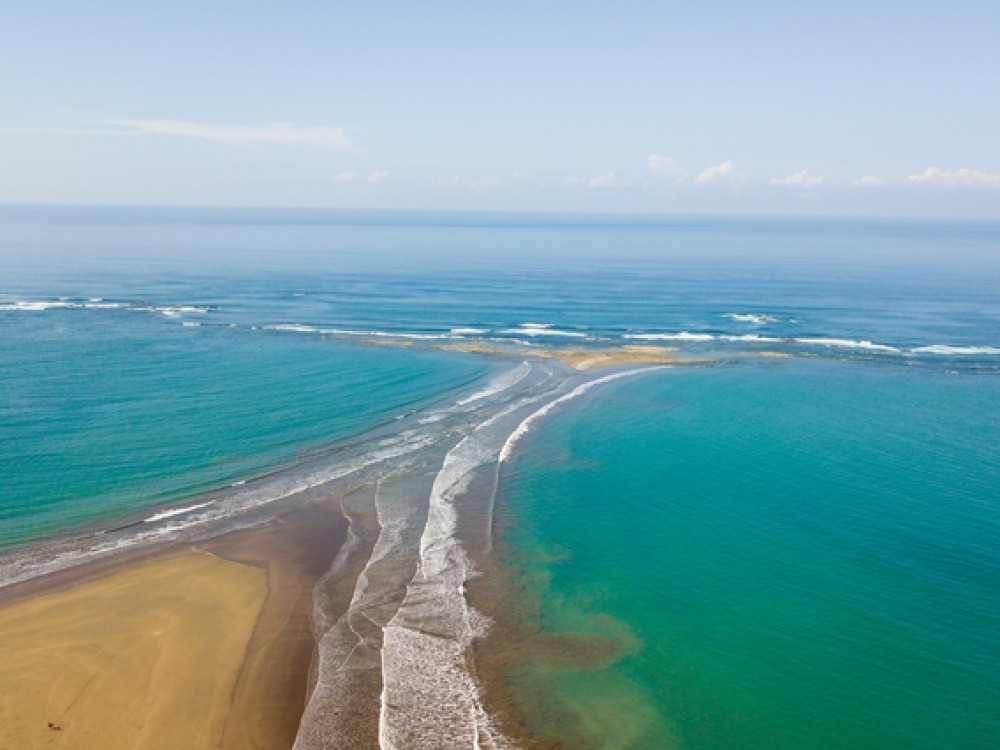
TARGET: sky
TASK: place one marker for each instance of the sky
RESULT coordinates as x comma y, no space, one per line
879,107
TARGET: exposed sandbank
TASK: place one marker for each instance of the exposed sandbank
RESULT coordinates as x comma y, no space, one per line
205,647
587,359
145,657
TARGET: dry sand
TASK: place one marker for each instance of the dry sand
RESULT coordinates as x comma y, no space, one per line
176,648
145,657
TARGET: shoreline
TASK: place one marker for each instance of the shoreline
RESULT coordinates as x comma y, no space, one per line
296,547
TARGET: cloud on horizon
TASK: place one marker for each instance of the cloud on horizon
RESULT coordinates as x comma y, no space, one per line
958,178
800,179
666,167
721,175
239,135
608,180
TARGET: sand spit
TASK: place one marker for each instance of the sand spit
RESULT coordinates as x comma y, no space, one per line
359,633
587,358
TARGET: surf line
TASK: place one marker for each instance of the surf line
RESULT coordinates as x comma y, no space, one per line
424,655
522,429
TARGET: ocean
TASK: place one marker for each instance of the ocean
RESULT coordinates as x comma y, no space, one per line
791,545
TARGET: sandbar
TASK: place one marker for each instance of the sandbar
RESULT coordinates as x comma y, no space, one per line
146,657
181,646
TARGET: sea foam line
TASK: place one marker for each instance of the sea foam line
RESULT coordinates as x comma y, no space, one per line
947,350
522,429
500,383
175,512
847,344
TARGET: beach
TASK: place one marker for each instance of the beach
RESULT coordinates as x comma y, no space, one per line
207,646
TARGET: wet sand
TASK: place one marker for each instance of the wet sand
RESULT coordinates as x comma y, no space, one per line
587,358
202,647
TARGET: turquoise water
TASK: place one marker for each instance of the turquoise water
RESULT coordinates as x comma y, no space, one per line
789,556
786,552
108,411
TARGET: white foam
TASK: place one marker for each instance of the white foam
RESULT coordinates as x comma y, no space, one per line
191,324
755,318
753,338
293,327
500,383
522,429
429,697
682,336
538,330
173,311
174,512
947,350
470,331
36,306
847,344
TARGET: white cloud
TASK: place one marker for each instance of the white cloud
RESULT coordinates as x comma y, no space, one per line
958,178
667,167
377,176
240,135
721,175
869,181
608,180
800,179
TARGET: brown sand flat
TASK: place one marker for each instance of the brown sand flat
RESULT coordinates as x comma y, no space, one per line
144,657
57,631
630,354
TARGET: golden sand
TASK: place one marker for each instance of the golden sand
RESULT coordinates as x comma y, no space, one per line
145,657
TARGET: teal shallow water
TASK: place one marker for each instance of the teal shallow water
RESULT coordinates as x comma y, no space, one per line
108,412
792,556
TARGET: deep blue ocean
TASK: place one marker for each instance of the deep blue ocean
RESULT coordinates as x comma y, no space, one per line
794,547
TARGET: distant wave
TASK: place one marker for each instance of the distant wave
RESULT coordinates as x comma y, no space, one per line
174,512
682,336
299,328
754,338
97,303
755,318
539,329
829,342
946,350
847,344
34,306
172,311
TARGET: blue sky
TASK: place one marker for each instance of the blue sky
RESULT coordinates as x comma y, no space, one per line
777,107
